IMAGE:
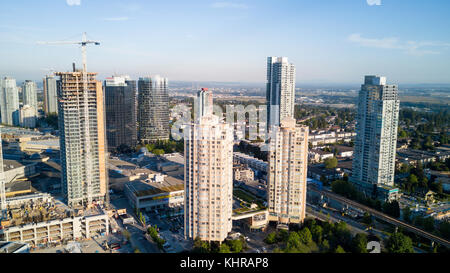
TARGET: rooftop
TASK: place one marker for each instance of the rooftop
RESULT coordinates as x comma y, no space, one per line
11,247
156,184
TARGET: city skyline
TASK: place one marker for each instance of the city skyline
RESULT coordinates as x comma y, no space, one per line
330,42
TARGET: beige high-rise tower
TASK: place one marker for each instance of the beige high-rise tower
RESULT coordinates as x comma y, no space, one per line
82,138
208,177
287,171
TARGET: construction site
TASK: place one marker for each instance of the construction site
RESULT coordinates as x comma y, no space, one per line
43,220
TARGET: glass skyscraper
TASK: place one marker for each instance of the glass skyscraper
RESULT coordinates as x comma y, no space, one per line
9,102
153,109
376,136
280,90
120,109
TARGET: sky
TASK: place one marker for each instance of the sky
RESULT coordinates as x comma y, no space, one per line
329,41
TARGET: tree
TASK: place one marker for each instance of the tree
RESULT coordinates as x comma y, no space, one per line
407,214
367,218
294,241
224,248
428,224
282,236
271,238
305,236
158,151
392,208
399,243
325,246
444,229
331,162
359,243
236,246
317,233
201,246
339,249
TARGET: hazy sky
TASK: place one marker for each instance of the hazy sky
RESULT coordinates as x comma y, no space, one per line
329,41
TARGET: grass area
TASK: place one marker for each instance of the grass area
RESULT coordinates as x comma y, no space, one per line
247,197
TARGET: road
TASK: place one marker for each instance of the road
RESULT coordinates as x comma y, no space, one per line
382,216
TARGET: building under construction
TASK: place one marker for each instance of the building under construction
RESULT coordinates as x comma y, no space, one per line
82,137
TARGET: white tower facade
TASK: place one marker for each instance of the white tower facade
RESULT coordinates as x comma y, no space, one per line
208,178
287,170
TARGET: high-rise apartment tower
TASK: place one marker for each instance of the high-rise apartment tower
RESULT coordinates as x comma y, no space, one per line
287,170
208,149
82,138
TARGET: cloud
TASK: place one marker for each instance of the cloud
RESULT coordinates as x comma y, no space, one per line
410,47
73,2
221,5
116,19
374,2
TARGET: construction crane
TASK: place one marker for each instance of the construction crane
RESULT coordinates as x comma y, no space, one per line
87,143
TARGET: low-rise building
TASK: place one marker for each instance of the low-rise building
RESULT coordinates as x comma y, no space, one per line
414,157
155,192
251,162
318,155
243,174
14,247
344,151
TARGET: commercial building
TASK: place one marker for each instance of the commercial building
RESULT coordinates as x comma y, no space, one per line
50,95
153,109
288,159
208,146
155,192
376,139
15,169
120,110
30,95
27,116
82,138
9,102
280,90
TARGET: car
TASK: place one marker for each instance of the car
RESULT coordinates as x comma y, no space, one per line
115,246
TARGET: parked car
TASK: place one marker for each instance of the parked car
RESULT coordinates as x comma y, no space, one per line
115,246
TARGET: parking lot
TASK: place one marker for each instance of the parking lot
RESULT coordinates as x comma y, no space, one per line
172,230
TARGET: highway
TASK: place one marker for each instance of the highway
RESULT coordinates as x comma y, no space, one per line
383,216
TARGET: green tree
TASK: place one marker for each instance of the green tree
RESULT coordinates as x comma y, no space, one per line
282,236
201,246
271,238
339,249
399,243
224,248
236,246
317,233
158,151
407,214
359,243
331,162
294,241
305,236
428,224
367,218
